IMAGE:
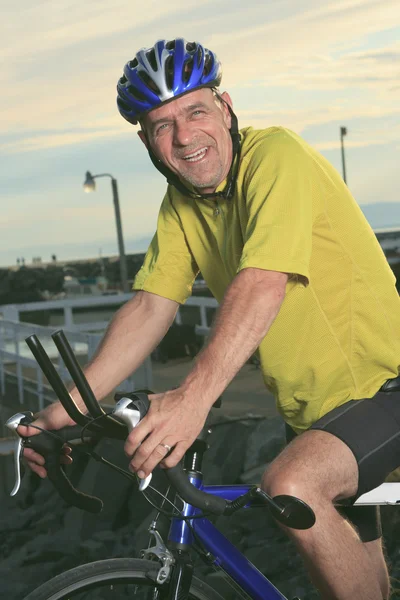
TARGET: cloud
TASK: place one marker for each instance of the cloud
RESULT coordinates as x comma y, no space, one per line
62,24
303,64
368,123
79,50
42,141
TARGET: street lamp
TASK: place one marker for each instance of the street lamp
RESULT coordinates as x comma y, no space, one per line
343,132
90,186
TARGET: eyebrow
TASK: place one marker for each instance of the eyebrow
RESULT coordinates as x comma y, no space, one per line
187,109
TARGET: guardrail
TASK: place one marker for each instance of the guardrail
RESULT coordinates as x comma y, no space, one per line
16,359
12,312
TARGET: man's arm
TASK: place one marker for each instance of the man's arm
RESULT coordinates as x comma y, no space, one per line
248,310
175,418
135,330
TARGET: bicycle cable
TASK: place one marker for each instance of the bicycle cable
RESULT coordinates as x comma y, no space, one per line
203,553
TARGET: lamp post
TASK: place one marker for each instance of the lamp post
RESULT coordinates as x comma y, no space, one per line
343,132
90,186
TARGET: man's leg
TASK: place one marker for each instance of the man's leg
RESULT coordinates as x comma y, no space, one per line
375,551
319,468
367,522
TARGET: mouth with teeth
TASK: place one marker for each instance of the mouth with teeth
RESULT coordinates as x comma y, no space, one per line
196,156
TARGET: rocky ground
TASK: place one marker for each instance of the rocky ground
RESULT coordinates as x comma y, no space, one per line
41,536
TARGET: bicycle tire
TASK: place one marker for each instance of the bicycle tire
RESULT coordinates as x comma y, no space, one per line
105,576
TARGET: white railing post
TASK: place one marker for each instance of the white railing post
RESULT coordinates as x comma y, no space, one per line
203,316
40,388
10,312
18,366
68,318
2,348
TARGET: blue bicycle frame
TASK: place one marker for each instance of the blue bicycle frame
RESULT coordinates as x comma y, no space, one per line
225,554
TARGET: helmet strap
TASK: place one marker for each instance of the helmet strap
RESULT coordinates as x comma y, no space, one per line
229,190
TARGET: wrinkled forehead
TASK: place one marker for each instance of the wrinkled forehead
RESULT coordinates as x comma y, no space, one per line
177,106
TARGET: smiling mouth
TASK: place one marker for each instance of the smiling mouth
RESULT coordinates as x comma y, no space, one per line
196,156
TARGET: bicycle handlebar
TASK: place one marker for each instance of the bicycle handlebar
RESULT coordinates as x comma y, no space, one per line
130,409
50,447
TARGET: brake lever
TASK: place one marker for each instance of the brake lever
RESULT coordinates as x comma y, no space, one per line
13,423
131,418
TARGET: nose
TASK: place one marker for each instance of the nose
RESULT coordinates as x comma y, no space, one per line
183,133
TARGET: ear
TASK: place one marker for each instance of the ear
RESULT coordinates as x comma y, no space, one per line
143,138
226,97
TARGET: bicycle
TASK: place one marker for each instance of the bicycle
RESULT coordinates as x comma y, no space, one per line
165,570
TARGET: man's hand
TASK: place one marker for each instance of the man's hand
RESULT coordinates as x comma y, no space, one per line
52,417
173,420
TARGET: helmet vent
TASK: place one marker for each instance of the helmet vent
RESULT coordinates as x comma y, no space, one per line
169,72
187,70
170,45
191,46
133,63
207,64
199,56
148,81
136,94
124,105
151,55
123,80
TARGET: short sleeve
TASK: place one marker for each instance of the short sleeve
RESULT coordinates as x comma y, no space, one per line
169,268
278,192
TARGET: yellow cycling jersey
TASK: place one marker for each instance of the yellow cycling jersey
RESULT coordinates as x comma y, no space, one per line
337,334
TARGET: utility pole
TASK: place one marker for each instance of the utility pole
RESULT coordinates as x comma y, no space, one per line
343,132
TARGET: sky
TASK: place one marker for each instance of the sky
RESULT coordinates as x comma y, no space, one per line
302,64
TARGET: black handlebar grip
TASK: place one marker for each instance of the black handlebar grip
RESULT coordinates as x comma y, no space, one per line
192,495
74,432
49,447
65,488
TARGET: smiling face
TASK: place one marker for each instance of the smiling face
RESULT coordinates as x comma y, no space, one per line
190,135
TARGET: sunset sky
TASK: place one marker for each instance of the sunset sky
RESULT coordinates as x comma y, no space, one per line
302,64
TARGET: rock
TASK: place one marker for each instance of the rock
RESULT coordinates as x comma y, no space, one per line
41,536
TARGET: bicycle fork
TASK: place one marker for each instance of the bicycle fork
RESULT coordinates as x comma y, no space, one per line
176,571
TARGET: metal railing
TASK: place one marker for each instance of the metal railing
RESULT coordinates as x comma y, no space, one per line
16,359
12,312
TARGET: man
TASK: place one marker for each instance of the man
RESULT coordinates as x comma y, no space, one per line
299,276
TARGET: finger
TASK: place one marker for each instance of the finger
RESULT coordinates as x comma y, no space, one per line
41,471
136,437
147,466
175,456
32,456
27,431
151,444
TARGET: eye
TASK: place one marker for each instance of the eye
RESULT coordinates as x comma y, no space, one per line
198,112
162,127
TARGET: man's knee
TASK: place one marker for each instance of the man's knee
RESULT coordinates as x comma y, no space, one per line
316,464
277,481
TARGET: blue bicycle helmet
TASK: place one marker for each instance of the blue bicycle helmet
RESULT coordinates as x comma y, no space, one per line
165,71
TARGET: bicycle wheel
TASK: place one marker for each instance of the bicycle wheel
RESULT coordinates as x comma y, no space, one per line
113,579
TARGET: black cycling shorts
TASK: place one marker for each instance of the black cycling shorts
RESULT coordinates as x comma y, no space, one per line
371,429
